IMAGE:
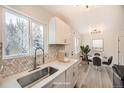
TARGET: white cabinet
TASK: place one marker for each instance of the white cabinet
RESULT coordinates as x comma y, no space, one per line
49,85
59,32
67,33
75,74
58,82
69,77
72,76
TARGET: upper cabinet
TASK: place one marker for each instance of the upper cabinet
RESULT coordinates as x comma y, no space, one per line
59,32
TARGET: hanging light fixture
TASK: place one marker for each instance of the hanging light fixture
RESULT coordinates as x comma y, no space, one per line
96,29
85,7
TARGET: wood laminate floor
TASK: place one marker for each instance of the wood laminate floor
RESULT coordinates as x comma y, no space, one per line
90,77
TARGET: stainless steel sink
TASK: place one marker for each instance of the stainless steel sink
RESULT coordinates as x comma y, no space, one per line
33,78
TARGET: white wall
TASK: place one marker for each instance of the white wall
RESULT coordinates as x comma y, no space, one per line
0,23
113,27
34,11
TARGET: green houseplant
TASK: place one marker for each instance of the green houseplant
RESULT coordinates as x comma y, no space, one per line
85,50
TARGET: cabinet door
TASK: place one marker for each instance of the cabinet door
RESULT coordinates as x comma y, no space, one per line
69,77
58,82
72,76
75,73
49,85
67,34
60,35
59,32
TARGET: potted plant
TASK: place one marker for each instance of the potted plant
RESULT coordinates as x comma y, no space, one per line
85,50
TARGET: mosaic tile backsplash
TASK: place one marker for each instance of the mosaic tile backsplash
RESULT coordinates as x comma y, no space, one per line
16,65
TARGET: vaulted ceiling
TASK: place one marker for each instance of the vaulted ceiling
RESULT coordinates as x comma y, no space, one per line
80,17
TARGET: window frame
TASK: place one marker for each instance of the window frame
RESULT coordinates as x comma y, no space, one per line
29,19
31,40
4,56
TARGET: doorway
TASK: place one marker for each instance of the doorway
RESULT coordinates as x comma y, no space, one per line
121,50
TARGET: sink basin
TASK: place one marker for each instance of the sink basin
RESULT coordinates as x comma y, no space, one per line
33,78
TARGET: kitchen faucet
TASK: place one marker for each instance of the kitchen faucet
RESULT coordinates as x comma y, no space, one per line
35,59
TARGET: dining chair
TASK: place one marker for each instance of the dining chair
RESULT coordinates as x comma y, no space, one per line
88,60
109,61
97,54
97,61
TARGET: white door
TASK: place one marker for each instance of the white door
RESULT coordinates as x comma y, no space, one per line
121,50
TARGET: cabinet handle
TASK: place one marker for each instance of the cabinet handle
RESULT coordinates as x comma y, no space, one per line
65,41
73,74
53,85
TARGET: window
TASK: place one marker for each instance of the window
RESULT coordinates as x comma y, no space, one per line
37,36
98,45
16,36
22,35
76,45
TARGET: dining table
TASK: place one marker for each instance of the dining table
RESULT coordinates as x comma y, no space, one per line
103,58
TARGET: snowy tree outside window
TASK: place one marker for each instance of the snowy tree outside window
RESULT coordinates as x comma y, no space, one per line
22,35
16,35
37,36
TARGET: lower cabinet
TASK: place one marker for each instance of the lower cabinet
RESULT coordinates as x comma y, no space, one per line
58,82
75,74
49,85
72,76
67,79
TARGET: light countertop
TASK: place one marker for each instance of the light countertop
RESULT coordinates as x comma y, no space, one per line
11,81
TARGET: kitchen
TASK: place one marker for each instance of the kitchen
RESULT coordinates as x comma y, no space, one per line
17,65
40,45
